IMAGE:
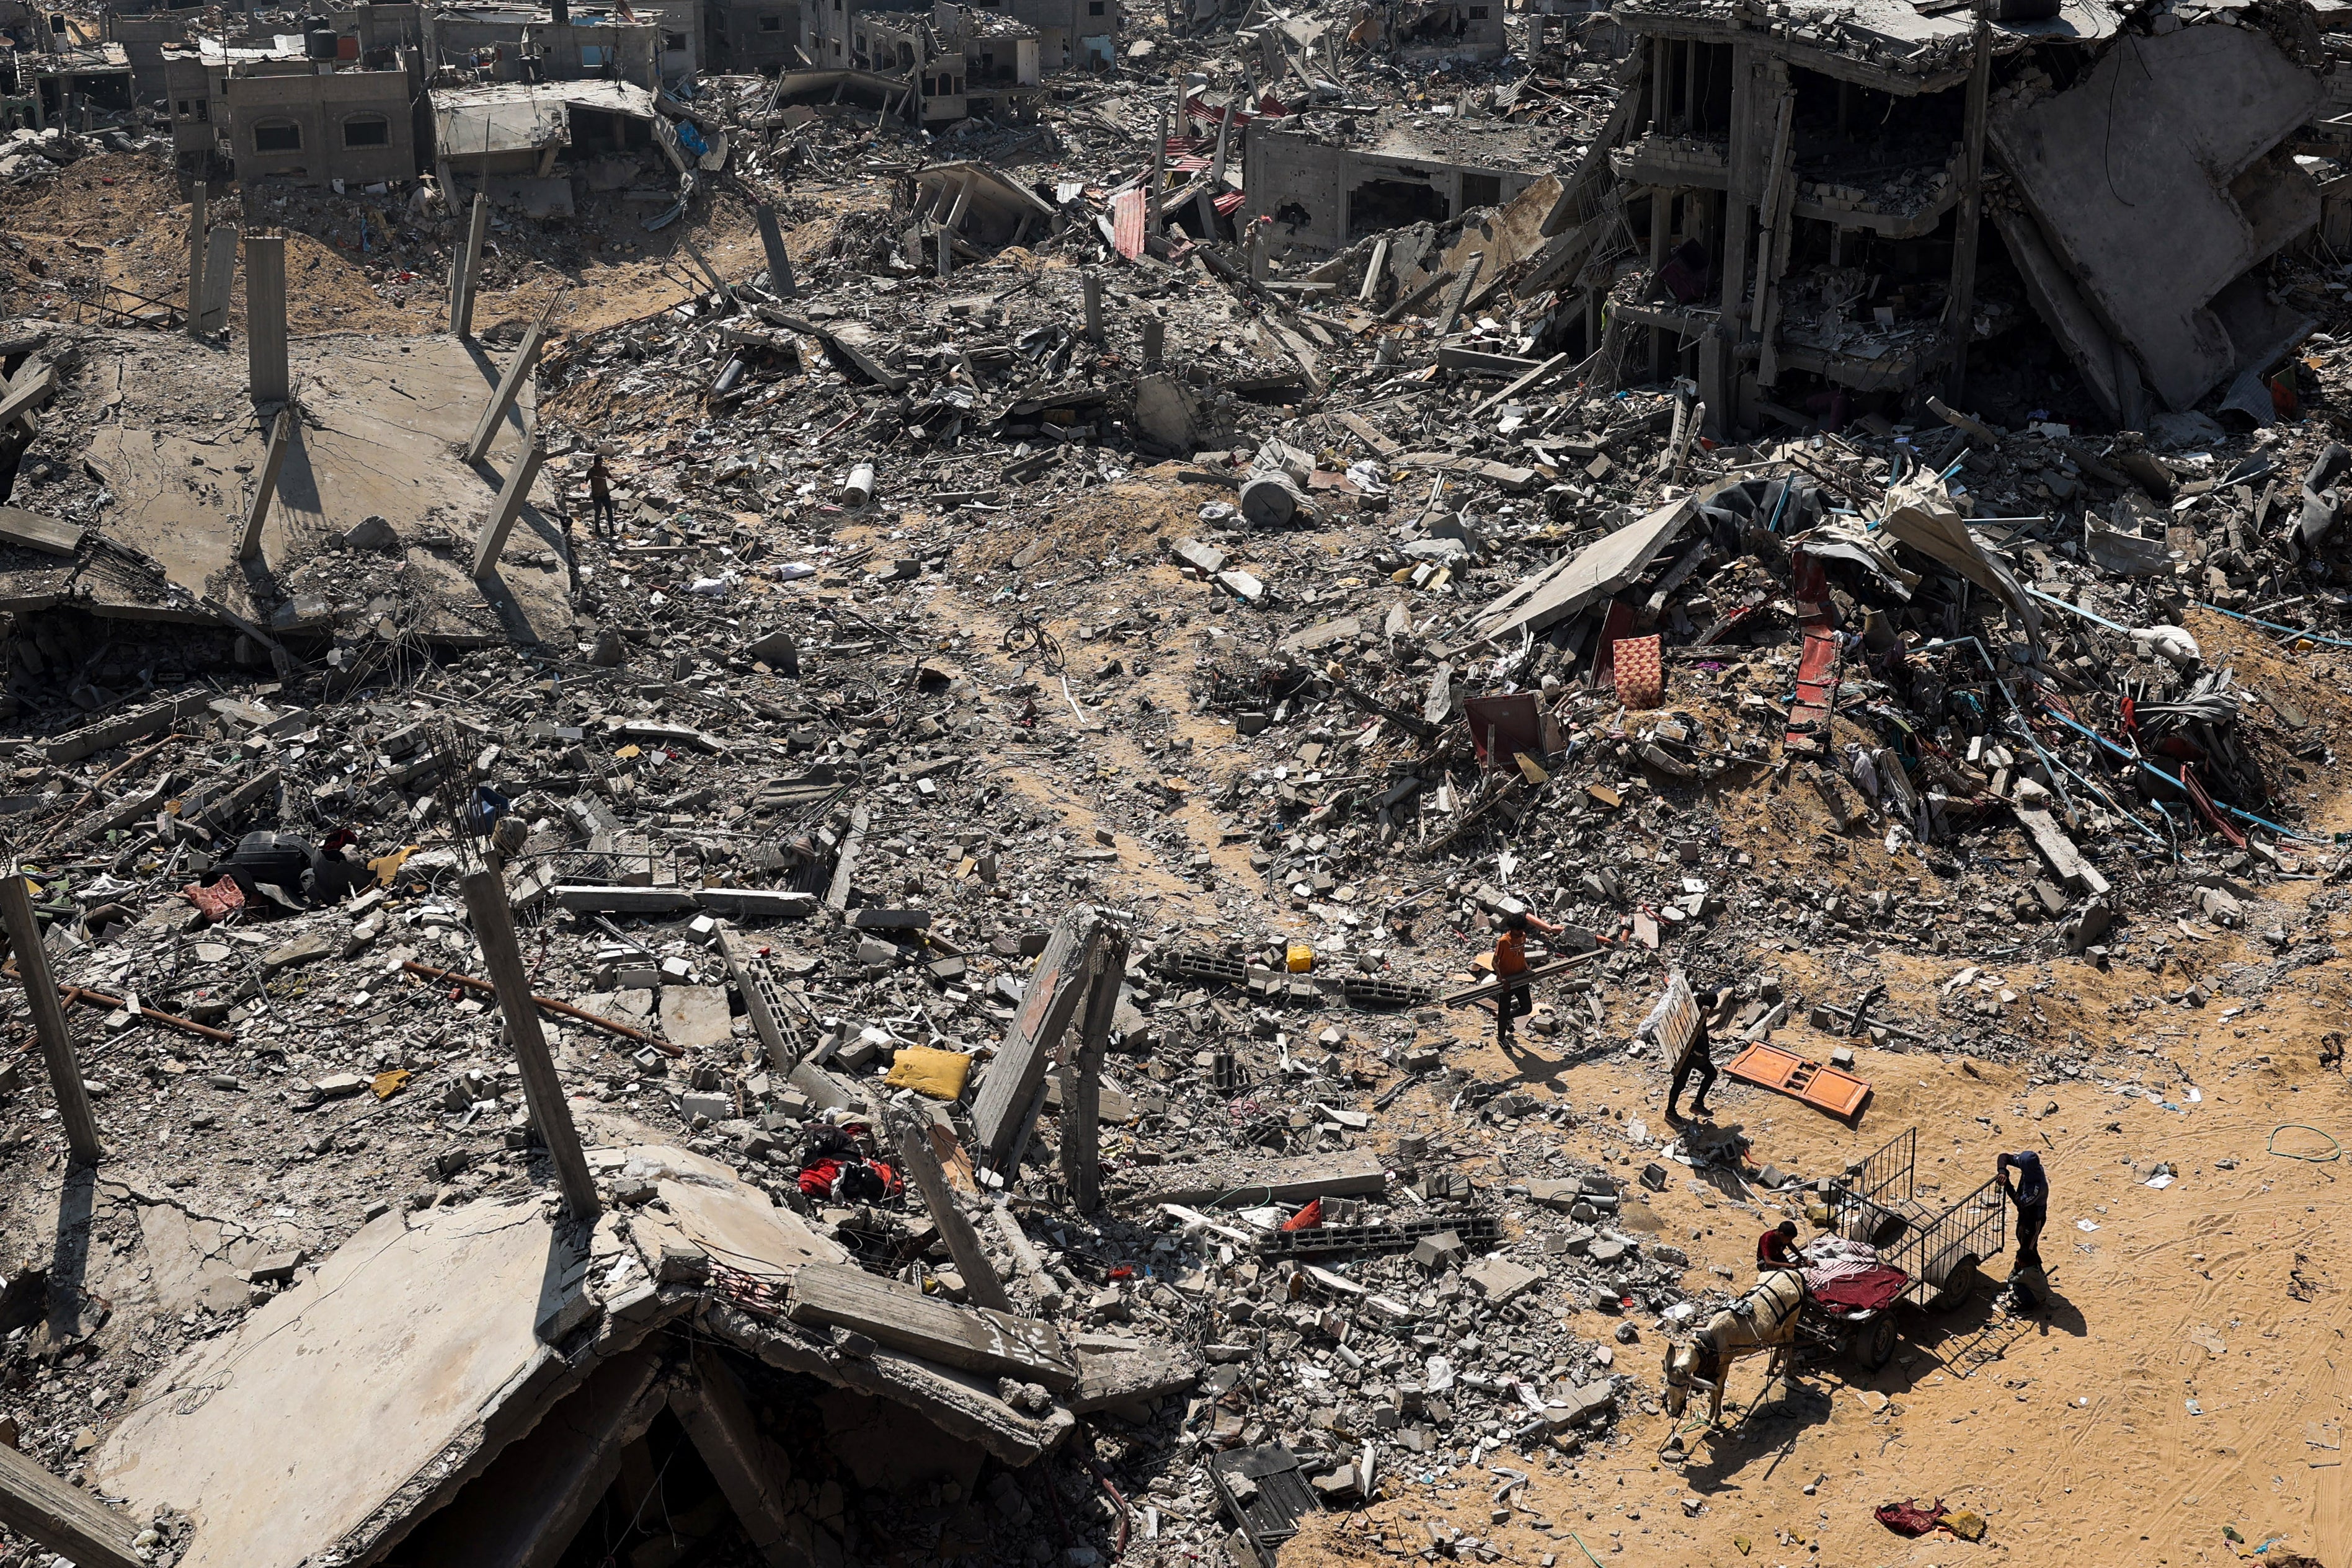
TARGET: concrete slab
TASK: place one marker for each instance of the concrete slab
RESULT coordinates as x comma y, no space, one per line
2201,202
352,1382
694,1015
383,421
734,1224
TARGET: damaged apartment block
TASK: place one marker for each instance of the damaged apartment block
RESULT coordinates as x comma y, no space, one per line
1822,211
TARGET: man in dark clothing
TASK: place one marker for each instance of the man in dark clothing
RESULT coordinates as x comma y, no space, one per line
1777,1247
1511,960
1697,1058
2031,1193
601,516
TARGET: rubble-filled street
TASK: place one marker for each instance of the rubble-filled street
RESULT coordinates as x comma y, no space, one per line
1020,785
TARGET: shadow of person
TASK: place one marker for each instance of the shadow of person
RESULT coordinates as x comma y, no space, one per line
2031,1296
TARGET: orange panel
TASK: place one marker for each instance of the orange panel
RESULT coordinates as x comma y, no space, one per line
1839,1093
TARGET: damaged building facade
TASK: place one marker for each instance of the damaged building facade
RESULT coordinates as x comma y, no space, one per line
1837,213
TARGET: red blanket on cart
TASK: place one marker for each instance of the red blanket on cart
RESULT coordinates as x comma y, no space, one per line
1868,1291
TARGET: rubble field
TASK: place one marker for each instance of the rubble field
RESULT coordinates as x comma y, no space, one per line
973,800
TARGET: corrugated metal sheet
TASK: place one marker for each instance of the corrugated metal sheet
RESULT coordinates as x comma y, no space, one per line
1127,223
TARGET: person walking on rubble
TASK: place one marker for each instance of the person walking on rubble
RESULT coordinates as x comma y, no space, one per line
1697,1058
600,516
1510,964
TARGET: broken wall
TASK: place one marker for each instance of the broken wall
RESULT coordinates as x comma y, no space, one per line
2153,178
353,126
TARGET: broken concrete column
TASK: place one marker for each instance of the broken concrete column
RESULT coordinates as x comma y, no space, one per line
264,318
845,862
197,218
493,923
980,1286
1268,500
1014,1090
780,260
1155,341
1157,192
220,271
510,385
1092,284
463,270
282,436
1082,1079
509,507
751,1471
48,1021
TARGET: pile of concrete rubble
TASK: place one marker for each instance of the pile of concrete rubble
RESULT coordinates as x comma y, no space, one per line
949,989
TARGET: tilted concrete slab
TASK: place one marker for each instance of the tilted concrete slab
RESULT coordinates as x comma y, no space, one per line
166,426
2154,176
289,1434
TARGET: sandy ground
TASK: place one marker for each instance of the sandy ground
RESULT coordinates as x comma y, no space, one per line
2182,1379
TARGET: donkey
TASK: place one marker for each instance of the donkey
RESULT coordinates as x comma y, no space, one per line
1763,1319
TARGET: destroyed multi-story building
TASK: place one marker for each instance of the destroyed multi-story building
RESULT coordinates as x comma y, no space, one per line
941,61
489,40
1323,189
1834,210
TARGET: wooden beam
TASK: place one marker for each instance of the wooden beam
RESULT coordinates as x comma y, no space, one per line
64,1518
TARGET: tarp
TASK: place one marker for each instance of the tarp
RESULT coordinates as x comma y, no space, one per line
1923,517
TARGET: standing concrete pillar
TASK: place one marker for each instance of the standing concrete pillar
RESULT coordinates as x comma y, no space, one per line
502,516
1155,342
197,238
1092,283
510,385
1159,176
265,317
220,272
1082,1077
48,1019
543,1091
780,260
463,270
282,436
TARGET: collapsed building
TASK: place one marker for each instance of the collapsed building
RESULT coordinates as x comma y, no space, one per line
1827,216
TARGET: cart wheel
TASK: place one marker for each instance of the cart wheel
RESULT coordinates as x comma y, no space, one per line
1874,1345
1960,1282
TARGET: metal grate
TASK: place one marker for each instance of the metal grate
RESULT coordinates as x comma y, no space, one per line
1282,1497
1475,1230
1975,1227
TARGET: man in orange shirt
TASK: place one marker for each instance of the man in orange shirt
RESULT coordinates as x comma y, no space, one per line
1511,959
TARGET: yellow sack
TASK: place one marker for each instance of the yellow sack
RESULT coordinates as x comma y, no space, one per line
940,1074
